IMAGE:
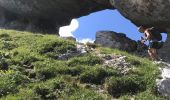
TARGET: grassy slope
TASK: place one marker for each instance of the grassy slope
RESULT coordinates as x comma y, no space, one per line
33,71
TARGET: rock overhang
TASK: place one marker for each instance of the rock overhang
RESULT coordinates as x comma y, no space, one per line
150,13
46,15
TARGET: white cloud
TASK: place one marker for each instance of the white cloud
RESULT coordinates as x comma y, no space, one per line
67,31
86,40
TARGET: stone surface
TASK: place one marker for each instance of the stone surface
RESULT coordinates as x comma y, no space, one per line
142,49
163,84
81,50
164,52
118,62
151,13
45,15
115,40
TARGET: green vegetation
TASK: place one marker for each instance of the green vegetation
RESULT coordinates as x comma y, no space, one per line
30,68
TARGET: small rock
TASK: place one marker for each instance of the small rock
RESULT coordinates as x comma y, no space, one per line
69,38
117,61
164,87
81,48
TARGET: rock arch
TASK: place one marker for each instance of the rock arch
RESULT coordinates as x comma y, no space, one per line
49,15
46,15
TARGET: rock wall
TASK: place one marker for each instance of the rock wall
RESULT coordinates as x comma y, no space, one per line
165,51
45,15
151,13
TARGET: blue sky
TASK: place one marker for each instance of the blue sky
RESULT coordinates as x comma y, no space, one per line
87,26
105,20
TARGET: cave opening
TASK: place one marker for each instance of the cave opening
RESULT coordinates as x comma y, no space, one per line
84,28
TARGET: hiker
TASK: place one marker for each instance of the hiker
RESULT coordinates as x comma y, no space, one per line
155,40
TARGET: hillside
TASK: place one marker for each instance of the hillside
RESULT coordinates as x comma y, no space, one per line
32,67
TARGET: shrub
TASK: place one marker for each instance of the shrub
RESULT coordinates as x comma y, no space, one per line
94,75
118,86
83,94
9,83
25,57
23,94
148,95
73,71
54,89
58,47
5,37
8,45
88,60
134,61
49,69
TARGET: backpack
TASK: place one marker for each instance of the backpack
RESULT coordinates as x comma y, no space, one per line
156,35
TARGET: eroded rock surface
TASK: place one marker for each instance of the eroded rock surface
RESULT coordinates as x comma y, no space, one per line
50,15
115,40
164,52
163,86
45,15
151,13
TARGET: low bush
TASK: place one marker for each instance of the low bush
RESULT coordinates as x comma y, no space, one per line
24,56
49,69
5,37
94,75
58,47
54,89
88,60
84,94
9,82
8,45
148,95
118,86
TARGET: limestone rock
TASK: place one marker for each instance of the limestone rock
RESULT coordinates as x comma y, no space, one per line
142,49
151,13
164,51
163,83
115,40
45,15
118,62
48,16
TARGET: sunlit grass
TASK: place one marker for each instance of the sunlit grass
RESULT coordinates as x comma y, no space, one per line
29,69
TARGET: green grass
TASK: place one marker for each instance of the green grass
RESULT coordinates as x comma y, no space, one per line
30,69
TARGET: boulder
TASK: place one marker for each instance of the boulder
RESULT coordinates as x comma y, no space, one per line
115,40
163,84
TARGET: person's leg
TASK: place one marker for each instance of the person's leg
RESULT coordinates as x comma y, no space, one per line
154,46
154,51
153,54
150,52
